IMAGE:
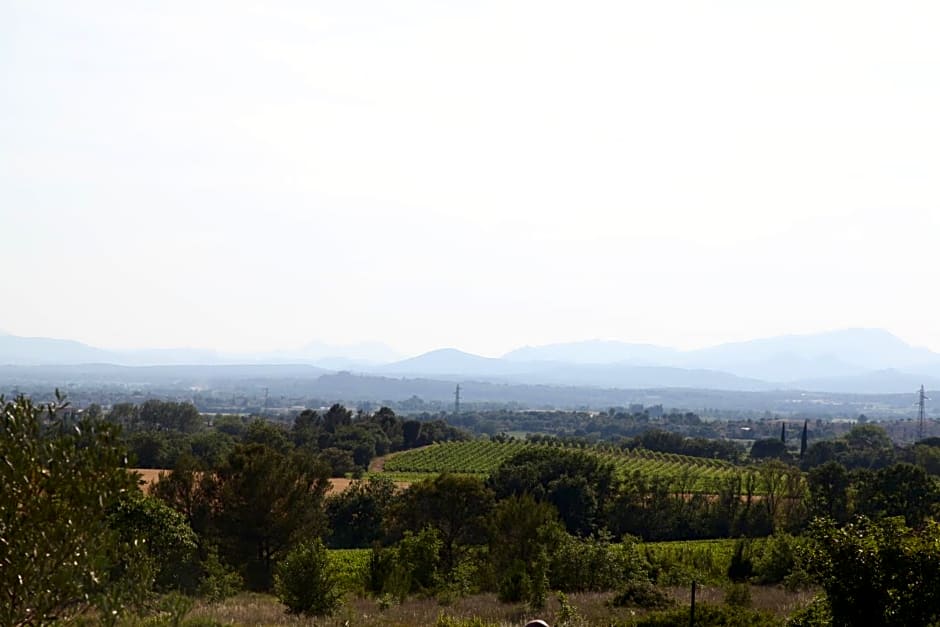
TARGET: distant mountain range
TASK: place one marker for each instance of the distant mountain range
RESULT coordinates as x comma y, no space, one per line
854,361
34,351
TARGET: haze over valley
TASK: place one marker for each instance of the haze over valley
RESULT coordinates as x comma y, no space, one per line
851,361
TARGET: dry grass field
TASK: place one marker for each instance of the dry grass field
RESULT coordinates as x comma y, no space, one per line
149,476
259,609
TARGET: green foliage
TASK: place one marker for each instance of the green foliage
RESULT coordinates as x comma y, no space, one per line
707,615
449,621
741,567
738,595
769,448
59,554
643,595
877,573
828,490
305,581
258,503
482,457
351,567
358,514
218,582
522,534
594,564
413,565
169,416
175,606
417,562
898,490
777,560
680,563
567,614
578,484
170,542
865,446
515,584
816,614
264,432
380,566
456,507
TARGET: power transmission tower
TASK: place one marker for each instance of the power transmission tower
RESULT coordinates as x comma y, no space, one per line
922,414
457,400
265,410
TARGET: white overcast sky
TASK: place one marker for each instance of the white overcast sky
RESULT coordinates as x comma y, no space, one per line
483,175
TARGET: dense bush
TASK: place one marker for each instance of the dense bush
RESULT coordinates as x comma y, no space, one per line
642,594
776,560
59,554
816,614
170,542
305,582
594,564
741,567
707,615
877,573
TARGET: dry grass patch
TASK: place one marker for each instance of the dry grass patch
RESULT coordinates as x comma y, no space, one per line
592,607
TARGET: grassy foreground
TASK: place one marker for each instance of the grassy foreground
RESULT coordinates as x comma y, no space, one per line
591,608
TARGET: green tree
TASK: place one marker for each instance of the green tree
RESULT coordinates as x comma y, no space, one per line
455,506
877,573
260,502
261,431
578,484
769,448
828,490
898,490
170,542
357,515
305,581
336,416
522,534
59,554
170,416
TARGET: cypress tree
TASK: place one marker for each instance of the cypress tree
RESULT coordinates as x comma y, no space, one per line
803,439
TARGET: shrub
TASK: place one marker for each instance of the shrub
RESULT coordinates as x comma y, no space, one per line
171,543
381,564
642,594
218,582
515,584
411,566
305,582
741,567
449,621
175,606
58,484
709,616
816,614
567,614
594,564
776,560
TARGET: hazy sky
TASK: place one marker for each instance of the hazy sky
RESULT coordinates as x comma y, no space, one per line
254,175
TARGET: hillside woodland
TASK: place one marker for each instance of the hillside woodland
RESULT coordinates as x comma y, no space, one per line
534,526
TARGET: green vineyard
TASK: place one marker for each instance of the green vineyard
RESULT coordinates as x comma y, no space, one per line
481,457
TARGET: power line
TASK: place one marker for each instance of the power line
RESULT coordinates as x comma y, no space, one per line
922,414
